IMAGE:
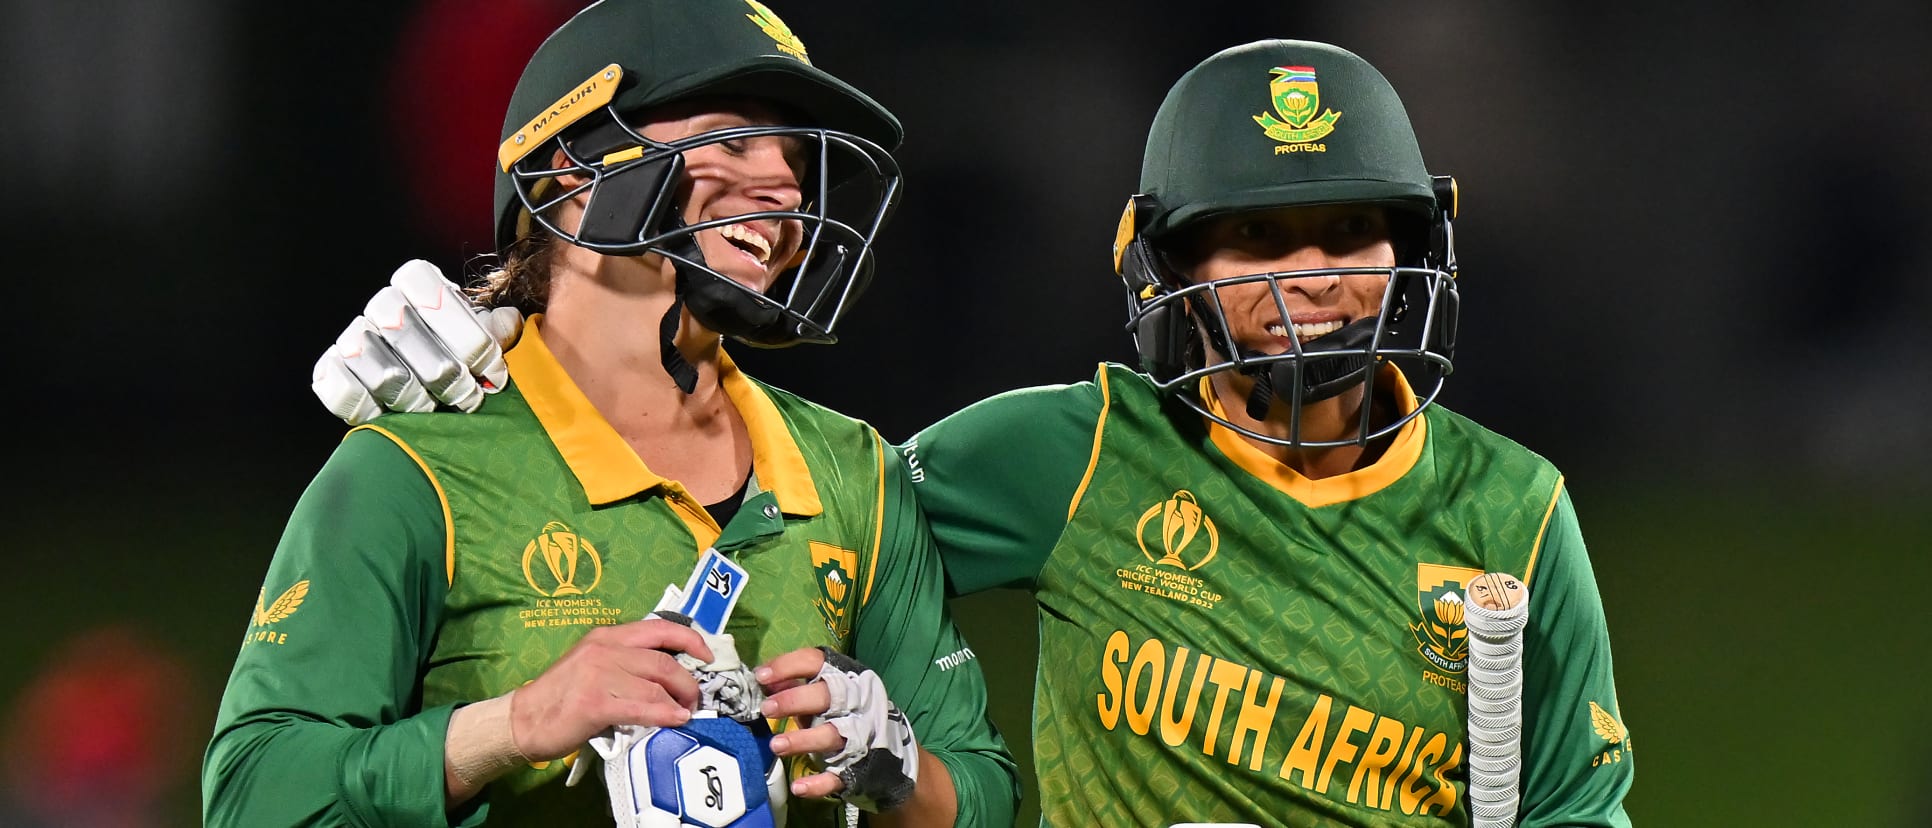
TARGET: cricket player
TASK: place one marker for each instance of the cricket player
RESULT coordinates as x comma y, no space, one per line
1253,556
460,603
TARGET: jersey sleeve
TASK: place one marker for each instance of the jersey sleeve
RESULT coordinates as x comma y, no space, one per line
906,633
1577,762
998,478
319,721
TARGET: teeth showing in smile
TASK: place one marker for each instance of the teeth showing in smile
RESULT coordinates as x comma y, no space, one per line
759,246
1308,331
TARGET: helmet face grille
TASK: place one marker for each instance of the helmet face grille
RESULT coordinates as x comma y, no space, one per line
1414,331
617,60
634,56
630,187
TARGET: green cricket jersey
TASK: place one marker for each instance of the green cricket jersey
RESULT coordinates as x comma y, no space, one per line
440,558
1224,640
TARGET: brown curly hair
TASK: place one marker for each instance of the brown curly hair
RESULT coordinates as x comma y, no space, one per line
523,280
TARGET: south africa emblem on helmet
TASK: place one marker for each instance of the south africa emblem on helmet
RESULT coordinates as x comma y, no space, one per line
1297,99
1187,537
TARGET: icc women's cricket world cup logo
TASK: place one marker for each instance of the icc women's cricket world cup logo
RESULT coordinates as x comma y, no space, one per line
563,555
1297,97
1182,524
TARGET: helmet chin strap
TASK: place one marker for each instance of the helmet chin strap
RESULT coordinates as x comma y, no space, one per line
1321,378
714,302
680,369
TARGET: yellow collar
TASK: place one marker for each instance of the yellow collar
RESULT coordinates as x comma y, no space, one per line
1401,456
606,466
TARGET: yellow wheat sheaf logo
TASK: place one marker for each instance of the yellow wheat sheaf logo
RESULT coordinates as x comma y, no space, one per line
568,561
1611,731
776,28
1606,725
1187,540
284,606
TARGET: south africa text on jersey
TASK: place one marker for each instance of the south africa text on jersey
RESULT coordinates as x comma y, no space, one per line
1157,690
569,612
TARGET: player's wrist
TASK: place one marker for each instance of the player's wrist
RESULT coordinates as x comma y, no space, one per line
481,743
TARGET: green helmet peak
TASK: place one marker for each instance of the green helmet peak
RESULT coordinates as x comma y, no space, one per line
667,51
1278,123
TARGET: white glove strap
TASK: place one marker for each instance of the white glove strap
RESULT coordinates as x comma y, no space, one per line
725,683
880,761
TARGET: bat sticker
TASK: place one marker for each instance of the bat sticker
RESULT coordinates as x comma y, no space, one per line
713,591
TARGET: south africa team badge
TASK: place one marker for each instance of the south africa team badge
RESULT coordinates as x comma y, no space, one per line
1297,98
1439,633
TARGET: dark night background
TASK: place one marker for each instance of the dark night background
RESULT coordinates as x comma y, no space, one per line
1695,248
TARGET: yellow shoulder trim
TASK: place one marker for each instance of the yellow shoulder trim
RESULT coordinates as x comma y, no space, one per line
1099,425
878,521
449,526
1537,547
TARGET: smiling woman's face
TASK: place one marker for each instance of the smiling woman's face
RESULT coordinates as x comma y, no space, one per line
733,178
1291,239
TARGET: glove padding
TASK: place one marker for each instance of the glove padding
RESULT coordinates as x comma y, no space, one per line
727,688
419,342
639,796
880,761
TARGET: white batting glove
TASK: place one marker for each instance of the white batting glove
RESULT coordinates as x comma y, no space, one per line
880,761
727,689
419,342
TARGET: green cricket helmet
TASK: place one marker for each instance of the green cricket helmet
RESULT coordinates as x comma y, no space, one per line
1288,123
585,89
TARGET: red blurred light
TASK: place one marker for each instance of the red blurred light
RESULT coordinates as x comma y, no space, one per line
99,734
456,65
